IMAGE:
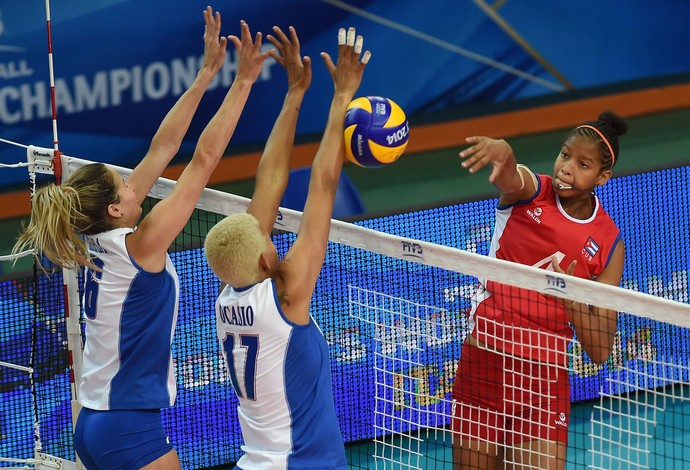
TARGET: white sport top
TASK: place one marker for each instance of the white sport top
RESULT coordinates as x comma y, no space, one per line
130,321
281,374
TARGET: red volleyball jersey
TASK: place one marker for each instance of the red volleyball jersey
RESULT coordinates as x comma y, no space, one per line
524,322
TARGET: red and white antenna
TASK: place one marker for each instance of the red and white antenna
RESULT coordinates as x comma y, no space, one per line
57,163
69,277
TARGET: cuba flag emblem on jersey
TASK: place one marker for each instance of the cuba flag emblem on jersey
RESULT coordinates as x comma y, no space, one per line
591,246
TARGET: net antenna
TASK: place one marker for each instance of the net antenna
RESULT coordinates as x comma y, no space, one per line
42,160
70,276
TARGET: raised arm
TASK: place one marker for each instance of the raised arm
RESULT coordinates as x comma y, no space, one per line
301,266
515,182
159,228
166,142
274,167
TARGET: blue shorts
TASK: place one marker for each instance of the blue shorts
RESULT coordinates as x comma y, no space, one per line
120,439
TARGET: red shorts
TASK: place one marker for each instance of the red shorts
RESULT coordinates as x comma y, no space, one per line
507,400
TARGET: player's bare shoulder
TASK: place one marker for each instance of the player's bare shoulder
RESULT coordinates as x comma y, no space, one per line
291,296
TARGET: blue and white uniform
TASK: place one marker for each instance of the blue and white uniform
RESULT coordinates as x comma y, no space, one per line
127,374
130,321
281,374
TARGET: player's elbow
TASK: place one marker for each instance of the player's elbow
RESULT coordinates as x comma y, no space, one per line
599,355
163,146
277,181
205,158
329,185
600,360
325,179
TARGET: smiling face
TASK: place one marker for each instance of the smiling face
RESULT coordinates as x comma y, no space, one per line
579,166
127,210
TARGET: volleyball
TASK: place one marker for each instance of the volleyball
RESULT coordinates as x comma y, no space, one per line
376,131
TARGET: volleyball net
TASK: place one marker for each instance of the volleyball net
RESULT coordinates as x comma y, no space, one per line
393,301
35,379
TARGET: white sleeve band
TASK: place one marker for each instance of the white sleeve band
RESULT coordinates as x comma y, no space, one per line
522,180
358,44
529,172
351,37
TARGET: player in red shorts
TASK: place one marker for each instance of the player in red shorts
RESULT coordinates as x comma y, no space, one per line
511,396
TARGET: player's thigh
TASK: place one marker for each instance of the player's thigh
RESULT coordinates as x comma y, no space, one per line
472,454
548,455
169,461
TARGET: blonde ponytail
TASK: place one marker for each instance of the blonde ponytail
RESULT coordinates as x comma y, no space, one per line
60,214
51,230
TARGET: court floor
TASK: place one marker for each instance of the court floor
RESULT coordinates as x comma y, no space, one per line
621,445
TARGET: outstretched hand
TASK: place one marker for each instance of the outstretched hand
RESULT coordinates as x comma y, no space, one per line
298,68
214,46
347,73
250,59
486,151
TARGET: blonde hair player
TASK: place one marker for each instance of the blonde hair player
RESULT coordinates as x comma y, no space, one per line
276,355
131,290
512,388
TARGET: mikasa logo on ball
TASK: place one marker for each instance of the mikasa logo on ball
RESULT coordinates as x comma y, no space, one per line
381,109
360,144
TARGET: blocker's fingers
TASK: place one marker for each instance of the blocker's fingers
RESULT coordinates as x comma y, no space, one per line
341,37
279,32
358,44
366,57
351,36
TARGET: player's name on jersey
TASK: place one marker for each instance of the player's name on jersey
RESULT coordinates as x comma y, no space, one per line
238,315
95,246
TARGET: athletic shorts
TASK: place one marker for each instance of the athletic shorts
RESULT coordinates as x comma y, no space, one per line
120,439
508,400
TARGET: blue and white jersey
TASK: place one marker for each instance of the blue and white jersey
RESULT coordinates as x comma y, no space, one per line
281,374
130,321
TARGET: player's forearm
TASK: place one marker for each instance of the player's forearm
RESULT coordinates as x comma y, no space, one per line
509,179
275,161
595,328
167,140
329,158
216,136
